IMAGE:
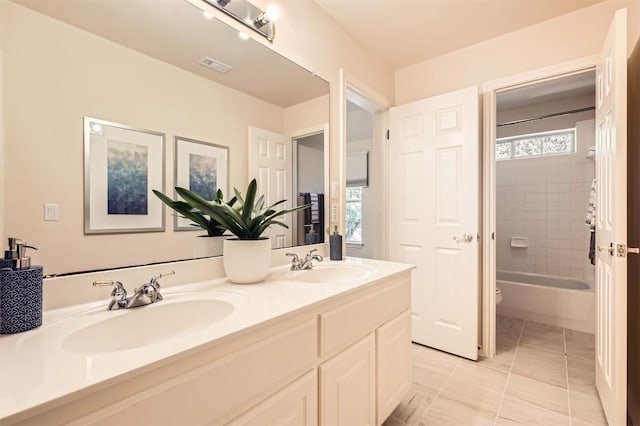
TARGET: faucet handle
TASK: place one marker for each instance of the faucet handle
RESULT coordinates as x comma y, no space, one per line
294,257
117,285
118,294
155,278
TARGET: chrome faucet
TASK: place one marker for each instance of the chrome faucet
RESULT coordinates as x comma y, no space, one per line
144,295
298,264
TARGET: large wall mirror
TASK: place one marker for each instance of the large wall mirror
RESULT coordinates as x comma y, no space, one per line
139,64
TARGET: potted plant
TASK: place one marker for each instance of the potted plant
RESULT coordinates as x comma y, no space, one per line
206,245
247,258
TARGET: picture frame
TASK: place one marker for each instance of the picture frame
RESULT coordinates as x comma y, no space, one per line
122,165
201,167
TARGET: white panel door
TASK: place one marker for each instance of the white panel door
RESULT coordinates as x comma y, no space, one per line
270,163
611,222
434,214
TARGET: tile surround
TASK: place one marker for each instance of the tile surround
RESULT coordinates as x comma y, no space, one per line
532,380
545,200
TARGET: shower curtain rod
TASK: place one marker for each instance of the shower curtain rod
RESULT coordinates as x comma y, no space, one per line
543,117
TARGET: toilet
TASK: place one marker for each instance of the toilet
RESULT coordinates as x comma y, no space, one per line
498,296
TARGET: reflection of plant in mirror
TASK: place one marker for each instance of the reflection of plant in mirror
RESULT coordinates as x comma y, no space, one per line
245,217
192,212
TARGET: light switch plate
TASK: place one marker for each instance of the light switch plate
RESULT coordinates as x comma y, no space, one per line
51,212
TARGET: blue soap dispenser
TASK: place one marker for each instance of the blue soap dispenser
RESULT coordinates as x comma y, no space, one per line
20,290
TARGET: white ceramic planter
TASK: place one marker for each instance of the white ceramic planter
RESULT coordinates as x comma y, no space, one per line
247,261
205,246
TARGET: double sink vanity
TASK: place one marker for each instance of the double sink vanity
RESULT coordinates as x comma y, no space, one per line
328,345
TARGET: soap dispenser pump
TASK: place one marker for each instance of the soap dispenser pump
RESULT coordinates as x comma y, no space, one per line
21,290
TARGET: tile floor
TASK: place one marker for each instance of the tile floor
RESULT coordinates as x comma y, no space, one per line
541,375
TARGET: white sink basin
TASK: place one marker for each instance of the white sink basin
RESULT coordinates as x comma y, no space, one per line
328,273
137,327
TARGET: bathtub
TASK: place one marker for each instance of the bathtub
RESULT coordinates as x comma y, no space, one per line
563,302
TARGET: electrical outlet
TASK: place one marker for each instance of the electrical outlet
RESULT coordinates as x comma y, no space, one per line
334,213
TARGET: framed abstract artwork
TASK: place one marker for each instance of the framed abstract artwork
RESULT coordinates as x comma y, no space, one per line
121,166
201,167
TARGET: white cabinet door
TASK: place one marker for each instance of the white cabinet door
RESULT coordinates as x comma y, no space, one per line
270,163
434,215
295,405
611,222
394,364
347,386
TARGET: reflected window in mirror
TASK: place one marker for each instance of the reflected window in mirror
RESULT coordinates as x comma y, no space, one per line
354,215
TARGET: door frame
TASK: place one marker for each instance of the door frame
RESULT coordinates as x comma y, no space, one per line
353,90
300,134
488,93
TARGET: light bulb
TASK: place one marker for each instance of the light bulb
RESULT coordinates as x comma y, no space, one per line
272,13
96,128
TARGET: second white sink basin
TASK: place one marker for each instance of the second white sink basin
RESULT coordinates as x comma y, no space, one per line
328,273
137,327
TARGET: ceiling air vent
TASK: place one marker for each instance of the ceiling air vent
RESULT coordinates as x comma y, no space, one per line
221,67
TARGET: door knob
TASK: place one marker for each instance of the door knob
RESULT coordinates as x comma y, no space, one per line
466,238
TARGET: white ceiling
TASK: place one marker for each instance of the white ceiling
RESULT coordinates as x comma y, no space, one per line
405,32
176,32
548,91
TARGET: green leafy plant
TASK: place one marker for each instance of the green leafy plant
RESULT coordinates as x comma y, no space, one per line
191,211
245,217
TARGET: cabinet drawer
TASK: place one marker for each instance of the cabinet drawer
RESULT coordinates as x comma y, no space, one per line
222,389
348,323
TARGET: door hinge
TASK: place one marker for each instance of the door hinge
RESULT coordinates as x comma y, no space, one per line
622,250
388,133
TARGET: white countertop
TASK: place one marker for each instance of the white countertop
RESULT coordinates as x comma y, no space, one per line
36,369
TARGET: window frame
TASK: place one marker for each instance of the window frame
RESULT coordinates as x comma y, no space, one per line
511,140
348,201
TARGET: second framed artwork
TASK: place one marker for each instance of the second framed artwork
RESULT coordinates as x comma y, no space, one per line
201,167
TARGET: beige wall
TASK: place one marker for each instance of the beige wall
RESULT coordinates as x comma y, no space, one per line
2,155
310,114
54,75
557,40
633,283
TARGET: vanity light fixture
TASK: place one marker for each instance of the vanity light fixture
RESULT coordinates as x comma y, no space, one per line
252,16
271,14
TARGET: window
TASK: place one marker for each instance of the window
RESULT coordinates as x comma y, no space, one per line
536,145
354,215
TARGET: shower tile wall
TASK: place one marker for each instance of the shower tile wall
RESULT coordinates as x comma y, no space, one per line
545,200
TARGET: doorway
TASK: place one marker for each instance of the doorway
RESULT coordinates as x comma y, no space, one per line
365,168
309,171
545,202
